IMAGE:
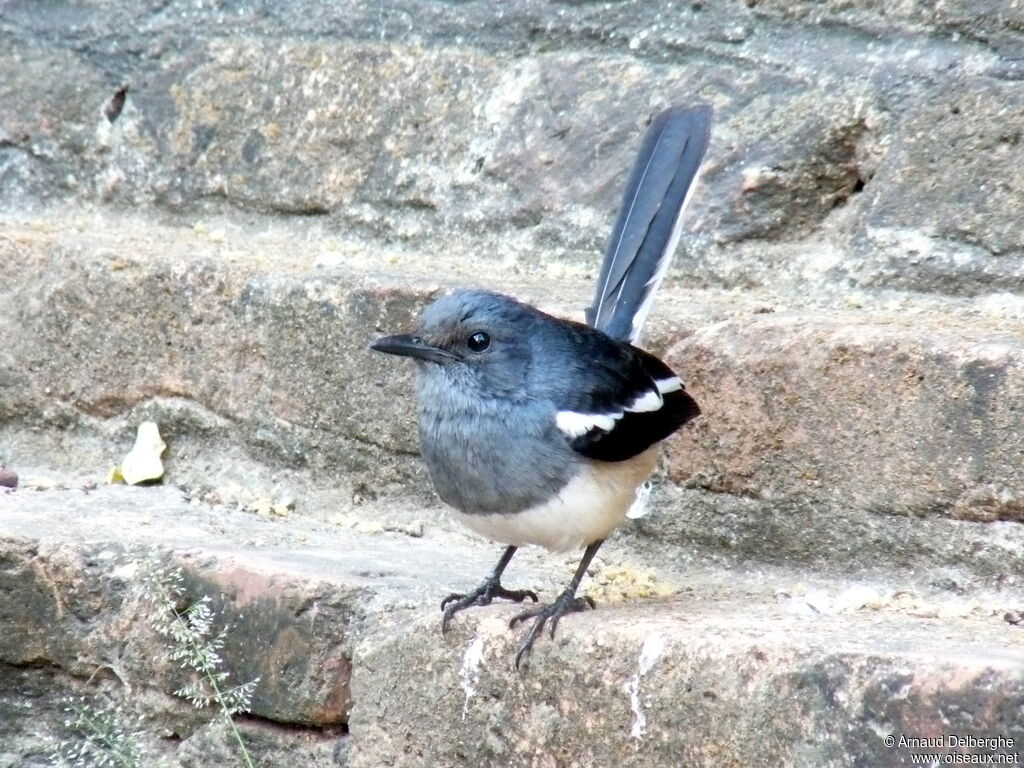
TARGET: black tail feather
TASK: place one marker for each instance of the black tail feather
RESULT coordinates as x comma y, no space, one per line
647,227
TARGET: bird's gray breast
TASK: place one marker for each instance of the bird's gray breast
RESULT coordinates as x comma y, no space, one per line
490,455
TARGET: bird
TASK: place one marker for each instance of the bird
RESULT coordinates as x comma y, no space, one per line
539,430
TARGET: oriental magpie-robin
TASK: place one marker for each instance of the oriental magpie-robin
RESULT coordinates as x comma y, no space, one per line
539,430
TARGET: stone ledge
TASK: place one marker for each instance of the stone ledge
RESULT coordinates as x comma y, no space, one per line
32,714
300,591
904,413
731,677
248,347
511,132
686,683
248,340
258,339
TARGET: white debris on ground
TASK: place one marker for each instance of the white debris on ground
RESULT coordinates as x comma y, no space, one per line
469,672
650,652
812,602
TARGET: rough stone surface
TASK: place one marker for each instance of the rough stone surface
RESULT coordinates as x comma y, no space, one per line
75,608
289,351
231,338
906,414
78,622
746,667
847,432
33,714
508,131
981,19
926,226
207,210
688,684
351,132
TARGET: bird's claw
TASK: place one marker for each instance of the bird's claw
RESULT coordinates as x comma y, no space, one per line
565,603
482,595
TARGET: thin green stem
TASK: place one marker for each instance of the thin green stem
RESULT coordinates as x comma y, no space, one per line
213,684
101,734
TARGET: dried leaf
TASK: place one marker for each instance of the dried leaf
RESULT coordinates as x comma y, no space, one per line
143,461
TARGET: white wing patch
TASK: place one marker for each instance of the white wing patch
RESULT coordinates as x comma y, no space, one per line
671,384
577,424
648,401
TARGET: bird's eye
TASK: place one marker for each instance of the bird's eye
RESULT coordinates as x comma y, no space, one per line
478,342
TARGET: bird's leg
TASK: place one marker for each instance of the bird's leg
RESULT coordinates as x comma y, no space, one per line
485,593
567,602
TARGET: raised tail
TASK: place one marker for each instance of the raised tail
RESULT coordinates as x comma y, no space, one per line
648,226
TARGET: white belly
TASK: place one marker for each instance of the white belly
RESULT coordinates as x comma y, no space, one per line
588,508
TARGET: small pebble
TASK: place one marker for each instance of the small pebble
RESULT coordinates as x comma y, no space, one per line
1014,617
8,478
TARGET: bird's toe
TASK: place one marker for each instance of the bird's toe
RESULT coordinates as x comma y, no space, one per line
547,615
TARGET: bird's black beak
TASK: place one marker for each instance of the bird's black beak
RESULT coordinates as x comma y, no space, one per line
407,345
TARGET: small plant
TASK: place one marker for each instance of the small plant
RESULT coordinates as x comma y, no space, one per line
106,739
109,738
197,648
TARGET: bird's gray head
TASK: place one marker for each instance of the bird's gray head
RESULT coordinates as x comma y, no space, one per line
478,339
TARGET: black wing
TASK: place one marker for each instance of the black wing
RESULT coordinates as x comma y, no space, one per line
626,401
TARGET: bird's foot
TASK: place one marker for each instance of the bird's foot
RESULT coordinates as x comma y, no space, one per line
482,595
565,603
